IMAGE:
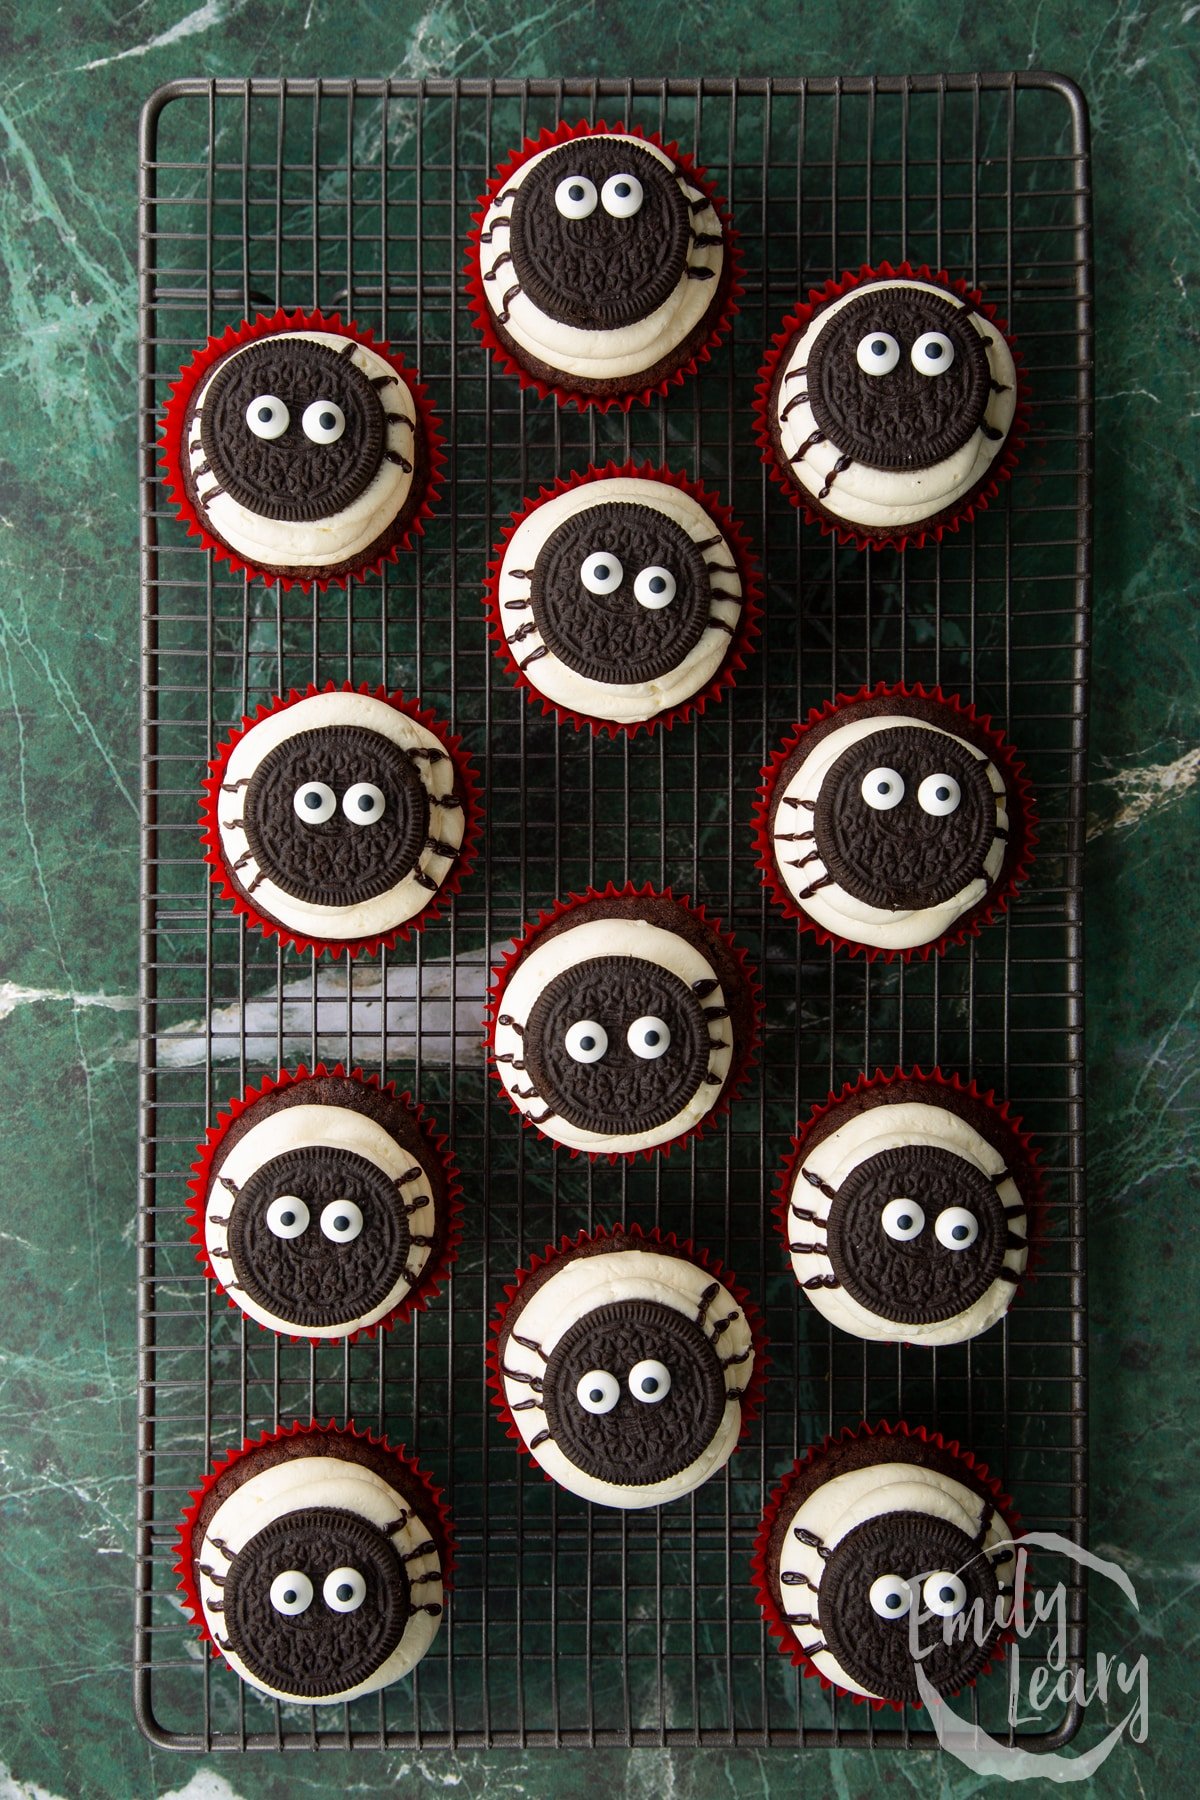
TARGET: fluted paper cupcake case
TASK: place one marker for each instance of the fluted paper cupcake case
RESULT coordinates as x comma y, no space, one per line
1023,824
773,1616
466,783
619,1237
730,289
438,1520
741,644
174,421
739,1071
435,1273
1030,1184
912,537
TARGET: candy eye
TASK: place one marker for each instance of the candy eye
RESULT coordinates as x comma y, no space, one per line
650,1381
575,197
343,1590
945,1594
323,422
601,573
956,1228
363,803
890,1596
649,1038
287,1217
586,1041
314,802
882,789
654,588
939,795
291,1593
341,1221
621,196
902,1220
268,417
598,1391
878,353
932,353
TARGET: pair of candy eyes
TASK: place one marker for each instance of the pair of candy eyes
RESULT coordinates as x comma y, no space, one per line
587,1041
343,1591
653,588
879,352
322,422
938,795
288,1217
954,1228
621,196
944,1594
363,804
648,1381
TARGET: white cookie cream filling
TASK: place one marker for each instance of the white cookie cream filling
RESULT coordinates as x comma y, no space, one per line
599,355
303,1127
548,958
398,904
892,1127
832,907
313,543
581,1285
885,499
625,703
305,1482
837,1506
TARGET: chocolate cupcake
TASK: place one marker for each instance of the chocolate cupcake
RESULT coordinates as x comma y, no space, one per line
601,265
316,1562
627,1366
623,598
886,1551
895,823
340,820
300,450
891,406
622,1022
325,1205
906,1207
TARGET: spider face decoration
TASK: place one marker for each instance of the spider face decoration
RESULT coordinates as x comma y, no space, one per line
876,1565
325,1209
619,599
304,451
904,1214
598,258
613,1030
624,1370
318,1578
893,403
887,824
339,816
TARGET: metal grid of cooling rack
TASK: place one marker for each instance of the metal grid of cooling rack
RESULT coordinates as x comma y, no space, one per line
571,1625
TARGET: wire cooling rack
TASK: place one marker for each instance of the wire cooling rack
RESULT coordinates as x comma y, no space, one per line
572,1625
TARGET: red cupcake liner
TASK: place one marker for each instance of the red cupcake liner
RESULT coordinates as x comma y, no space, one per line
739,1071
436,1271
437,1520
745,632
730,287
1026,1156
620,1236
1022,817
174,420
1000,470
976,1476
466,784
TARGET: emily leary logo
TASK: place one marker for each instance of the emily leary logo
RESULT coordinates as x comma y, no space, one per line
1051,1682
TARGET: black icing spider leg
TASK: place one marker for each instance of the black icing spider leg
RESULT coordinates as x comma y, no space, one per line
815,1223
794,1578
699,203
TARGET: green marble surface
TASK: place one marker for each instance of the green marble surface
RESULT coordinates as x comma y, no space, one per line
73,78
